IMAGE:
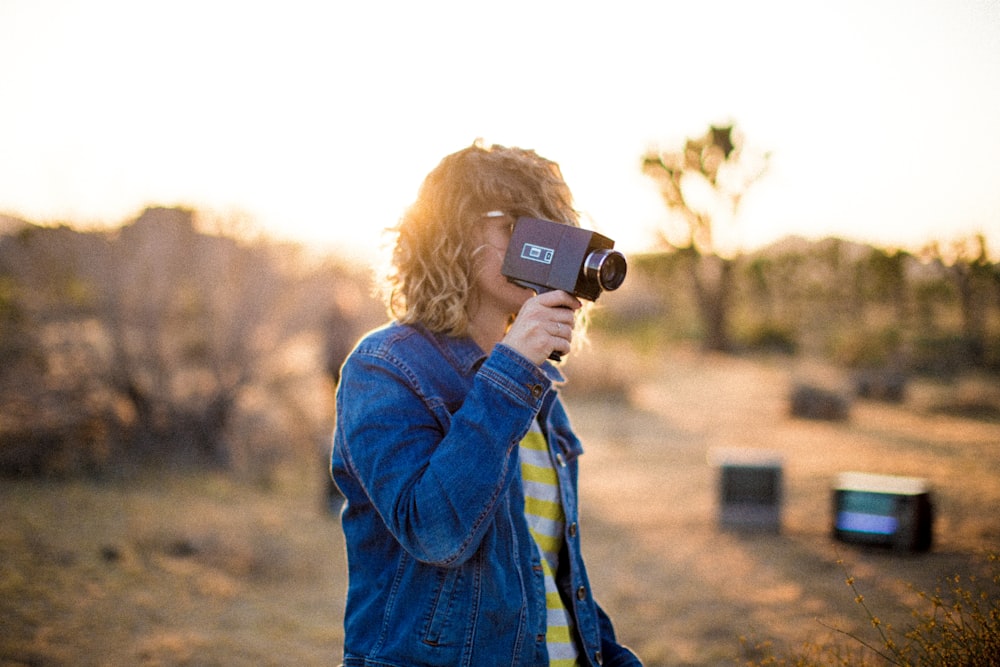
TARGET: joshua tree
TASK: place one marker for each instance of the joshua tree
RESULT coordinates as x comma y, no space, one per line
705,179
974,278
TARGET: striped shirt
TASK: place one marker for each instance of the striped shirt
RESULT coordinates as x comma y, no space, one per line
544,513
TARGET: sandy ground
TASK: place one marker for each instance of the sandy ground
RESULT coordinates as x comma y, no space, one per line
208,571
684,590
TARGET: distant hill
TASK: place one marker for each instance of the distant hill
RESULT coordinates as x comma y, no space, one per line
800,245
11,225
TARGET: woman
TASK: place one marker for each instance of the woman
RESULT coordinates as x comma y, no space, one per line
452,447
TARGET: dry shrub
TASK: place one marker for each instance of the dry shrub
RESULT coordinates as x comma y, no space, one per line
976,396
957,626
812,402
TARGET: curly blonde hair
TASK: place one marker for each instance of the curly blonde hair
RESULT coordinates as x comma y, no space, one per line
431,266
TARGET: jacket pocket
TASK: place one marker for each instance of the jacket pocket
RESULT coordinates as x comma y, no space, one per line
440,628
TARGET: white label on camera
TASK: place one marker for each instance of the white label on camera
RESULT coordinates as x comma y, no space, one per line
537,253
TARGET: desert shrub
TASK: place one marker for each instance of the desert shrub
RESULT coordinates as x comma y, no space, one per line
769,338
867,348
944,355
991,355
161,344
812,402
973,397
881,385
969,409
958,624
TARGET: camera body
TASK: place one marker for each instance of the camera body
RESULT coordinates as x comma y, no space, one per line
545,256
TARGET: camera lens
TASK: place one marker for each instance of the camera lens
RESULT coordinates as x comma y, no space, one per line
606,267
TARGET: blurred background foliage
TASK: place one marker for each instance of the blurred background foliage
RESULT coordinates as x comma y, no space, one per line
858,306
159,343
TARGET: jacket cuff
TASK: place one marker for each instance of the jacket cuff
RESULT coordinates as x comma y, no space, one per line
516,375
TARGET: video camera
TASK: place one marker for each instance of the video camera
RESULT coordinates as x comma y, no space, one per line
545,256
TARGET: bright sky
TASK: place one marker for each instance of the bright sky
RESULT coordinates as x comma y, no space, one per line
320,118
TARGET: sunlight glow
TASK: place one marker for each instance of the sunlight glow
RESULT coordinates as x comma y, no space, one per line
320,119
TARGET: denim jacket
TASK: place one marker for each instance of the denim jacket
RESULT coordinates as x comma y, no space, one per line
442,568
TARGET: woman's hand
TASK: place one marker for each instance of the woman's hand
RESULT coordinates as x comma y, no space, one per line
544,325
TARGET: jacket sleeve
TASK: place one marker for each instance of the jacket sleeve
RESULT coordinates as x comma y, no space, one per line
435,477
614,654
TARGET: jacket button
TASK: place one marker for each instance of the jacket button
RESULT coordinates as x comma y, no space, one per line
581,593
536,390
561,460
572,529
598,658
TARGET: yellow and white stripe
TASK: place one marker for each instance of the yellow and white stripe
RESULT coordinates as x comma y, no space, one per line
544,513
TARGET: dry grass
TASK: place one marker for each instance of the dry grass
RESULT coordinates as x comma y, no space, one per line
176,571
206,571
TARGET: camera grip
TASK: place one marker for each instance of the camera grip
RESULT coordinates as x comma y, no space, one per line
556,355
